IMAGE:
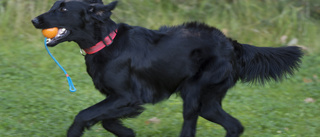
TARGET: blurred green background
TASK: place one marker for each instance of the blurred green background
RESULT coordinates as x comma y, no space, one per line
34,96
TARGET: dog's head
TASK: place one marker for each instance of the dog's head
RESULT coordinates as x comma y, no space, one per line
77,20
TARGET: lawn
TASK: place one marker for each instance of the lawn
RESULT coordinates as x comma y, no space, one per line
34,96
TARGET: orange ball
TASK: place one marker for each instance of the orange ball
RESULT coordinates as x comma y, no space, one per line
50,32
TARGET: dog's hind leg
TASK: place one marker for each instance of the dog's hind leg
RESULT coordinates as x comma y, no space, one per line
108,110
190,95
211,110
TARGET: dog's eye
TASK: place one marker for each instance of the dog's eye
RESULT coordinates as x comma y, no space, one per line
63,9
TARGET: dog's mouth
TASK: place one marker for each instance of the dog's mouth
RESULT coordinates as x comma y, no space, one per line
62,33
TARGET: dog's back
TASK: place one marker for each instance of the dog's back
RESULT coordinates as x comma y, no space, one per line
168,58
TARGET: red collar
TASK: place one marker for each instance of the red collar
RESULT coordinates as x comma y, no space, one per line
102,44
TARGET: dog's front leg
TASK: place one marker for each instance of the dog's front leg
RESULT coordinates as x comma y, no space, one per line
113,107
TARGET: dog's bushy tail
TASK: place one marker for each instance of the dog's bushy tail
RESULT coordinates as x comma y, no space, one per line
262,64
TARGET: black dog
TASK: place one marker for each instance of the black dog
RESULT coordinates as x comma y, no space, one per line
133,66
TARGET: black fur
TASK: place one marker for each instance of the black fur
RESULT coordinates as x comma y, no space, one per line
146,66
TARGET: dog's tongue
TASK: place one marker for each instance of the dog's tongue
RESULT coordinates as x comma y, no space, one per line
50,32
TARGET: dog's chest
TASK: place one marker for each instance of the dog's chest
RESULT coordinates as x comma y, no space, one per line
109,76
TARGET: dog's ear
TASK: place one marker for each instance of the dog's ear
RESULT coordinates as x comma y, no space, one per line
104,8
111,6
101,12
94,1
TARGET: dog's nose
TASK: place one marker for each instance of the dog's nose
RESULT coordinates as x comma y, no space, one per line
35,21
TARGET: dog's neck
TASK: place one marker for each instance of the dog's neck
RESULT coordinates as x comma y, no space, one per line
107,41
101,36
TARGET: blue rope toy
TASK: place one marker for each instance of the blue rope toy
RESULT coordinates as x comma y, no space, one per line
71,86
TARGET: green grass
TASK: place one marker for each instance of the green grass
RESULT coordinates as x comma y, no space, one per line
34,96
